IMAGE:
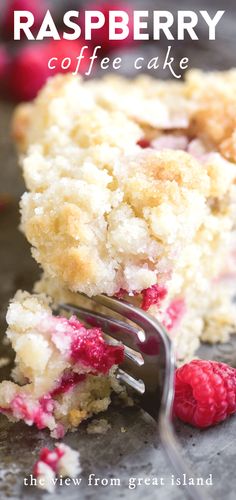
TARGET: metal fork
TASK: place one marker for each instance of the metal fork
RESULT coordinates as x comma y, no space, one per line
148,368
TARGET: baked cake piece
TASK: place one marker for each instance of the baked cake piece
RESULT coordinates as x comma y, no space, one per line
63,374
131,192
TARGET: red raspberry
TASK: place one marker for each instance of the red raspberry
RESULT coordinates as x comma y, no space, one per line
29,69
153,295
28,73
205,392
68,48
37,8
101,36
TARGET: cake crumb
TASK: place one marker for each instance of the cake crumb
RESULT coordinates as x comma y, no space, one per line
98,426
77,416
123,429
62,461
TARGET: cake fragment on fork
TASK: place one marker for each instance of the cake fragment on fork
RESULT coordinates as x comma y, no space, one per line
64,373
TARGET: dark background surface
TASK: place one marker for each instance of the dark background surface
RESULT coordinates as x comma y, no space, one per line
136,452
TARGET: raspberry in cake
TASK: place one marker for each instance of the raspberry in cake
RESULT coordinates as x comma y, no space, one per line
64,372
131,191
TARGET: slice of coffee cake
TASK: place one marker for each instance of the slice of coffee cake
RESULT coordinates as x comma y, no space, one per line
131,192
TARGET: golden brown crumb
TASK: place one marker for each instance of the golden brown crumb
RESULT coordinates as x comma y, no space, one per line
215,102
76,417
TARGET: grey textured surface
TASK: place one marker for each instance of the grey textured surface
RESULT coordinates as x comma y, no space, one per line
136,452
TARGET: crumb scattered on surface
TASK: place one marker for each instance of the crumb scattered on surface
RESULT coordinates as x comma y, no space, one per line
62,461
98,426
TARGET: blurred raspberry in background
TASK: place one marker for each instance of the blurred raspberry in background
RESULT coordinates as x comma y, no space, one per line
24,65
101,36
63,49
29,68
37,7
27,73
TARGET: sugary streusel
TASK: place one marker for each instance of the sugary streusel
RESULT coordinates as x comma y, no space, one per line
132,184
214,118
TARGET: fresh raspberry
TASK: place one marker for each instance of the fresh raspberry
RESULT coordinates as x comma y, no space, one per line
63,49
153,296
101,36
28,73
29,69
205,392
89,348
38,9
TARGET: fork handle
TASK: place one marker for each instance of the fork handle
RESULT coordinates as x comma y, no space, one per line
173,451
